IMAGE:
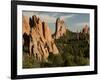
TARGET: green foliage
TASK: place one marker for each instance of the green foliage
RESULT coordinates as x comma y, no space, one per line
30,61
55,60
68,59
73,52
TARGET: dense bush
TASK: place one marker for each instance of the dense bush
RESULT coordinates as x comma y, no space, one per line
56,60
30,61
73,51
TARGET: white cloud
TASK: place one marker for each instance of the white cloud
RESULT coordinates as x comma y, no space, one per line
79,26
52,19
67,16
29,13
43,17
47,18
82,24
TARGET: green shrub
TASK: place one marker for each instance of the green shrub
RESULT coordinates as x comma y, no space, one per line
55,60
30,62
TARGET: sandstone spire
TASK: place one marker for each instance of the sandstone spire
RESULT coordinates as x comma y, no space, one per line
25,25
60,28
85,29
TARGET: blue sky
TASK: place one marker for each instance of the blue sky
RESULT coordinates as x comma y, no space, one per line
73,21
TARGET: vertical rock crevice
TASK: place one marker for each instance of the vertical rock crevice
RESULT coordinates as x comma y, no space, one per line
40,38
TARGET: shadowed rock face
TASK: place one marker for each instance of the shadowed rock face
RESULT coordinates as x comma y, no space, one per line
40,42
60,28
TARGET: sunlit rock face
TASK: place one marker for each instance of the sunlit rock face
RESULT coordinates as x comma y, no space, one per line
26,26
40,42
60,28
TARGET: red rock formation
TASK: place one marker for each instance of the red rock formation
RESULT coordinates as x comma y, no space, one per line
41,41
25,24
47,32
60,28
85,29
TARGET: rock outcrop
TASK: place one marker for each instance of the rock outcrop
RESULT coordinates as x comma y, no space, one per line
85,29
49,40
26,26
25,32
60,28
40,43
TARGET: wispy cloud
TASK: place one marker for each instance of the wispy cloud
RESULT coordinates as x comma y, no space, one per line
67,16
47,18
78,26
73,20
30,13
82,24
44,16
52,18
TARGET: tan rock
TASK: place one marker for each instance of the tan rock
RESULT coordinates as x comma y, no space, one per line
50,42
47,32
60,28
25,25
41,43
55,50
85,29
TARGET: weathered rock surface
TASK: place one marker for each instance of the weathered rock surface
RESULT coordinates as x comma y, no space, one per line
26,26
85,29
60,28
41,43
